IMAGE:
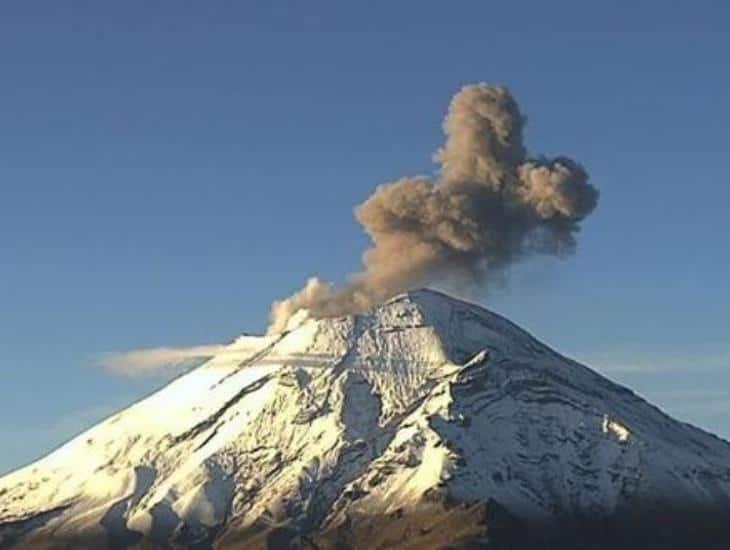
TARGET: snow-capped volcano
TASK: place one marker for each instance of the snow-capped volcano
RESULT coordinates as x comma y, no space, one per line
423,423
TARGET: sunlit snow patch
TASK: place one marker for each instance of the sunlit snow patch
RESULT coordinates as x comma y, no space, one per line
616,428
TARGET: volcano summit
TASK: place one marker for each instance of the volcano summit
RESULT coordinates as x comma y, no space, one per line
425,422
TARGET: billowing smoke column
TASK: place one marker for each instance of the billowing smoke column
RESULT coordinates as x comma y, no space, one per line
491,206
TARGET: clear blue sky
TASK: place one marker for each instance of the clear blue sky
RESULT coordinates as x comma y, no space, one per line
168,168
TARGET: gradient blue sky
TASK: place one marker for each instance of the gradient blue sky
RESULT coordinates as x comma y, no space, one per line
169,168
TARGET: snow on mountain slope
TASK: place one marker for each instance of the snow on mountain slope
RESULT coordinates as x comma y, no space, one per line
363,415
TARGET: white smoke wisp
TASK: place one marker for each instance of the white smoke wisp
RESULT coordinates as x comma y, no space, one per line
490,206
156,361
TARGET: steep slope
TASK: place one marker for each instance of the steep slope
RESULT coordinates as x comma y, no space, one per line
428,422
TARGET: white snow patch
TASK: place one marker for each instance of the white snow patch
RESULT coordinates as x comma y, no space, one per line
621,432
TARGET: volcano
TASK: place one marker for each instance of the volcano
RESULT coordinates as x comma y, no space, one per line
426,422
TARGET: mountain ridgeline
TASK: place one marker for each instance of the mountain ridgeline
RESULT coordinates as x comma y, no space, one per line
426,422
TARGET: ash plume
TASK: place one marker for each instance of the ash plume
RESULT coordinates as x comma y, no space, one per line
154,361
490,206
